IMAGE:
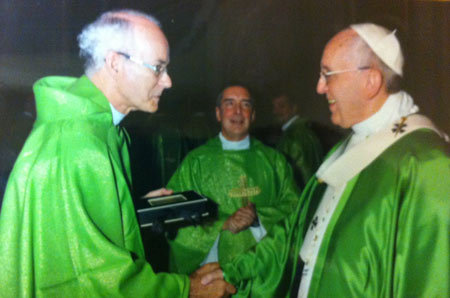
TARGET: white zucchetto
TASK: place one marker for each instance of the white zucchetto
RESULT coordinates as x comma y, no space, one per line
383,43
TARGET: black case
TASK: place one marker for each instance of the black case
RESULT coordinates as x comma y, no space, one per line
175,210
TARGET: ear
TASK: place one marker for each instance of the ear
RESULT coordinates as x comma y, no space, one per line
219,119
253,116
374,82
113,63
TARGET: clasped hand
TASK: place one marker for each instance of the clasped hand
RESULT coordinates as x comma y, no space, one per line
241,219
208,281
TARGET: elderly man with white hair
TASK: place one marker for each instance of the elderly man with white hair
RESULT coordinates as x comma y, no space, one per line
68,226
374,220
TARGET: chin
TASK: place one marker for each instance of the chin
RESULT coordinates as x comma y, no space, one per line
152,107
337,122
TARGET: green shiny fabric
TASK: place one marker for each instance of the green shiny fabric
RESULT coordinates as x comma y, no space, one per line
302,149
389,235
218,173
68,226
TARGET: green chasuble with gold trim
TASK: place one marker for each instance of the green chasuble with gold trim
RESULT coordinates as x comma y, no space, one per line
67,225
389,235
231,178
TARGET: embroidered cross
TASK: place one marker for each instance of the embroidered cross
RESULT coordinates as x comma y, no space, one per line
243,191
314,222
399,127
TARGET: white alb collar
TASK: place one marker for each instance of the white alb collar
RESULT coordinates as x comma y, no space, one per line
289,123
116,115
397,105
234,145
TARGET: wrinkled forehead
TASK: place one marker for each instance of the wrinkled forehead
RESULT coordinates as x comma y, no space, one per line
146,34
340,50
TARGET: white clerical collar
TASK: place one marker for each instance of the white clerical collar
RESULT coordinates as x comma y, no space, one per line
397,105
287,124
116,115
234,145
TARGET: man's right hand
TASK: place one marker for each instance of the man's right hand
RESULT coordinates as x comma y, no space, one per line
158,192
241,219
216,286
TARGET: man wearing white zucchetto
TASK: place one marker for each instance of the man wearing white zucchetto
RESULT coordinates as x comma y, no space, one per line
374,219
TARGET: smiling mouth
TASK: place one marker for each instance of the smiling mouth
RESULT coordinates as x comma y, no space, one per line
331,101
237,121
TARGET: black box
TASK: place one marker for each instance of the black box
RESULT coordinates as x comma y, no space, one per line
175,210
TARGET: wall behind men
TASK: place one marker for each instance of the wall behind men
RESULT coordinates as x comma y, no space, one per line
265,44
268,45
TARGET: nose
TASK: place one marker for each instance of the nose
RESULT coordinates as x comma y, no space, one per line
238,109
321,85
165,80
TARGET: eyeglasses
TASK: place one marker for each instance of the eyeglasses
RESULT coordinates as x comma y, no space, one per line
328,74
245,104
157,69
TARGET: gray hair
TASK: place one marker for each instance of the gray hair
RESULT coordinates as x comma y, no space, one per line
368,57
111,31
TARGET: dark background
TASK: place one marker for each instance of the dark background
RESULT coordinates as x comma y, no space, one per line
265,44
268,45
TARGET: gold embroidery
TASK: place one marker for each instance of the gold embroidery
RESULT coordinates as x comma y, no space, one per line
243,191
400,127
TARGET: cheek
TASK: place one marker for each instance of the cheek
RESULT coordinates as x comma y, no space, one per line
349,111
277,110
150,87
247,115
227,113
146,85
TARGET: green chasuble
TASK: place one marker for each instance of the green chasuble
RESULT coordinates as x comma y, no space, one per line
389,235
230,178
302,149
68,226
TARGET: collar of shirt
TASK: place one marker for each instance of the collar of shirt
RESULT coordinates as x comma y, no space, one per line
234,145
287,124
116,115
397,105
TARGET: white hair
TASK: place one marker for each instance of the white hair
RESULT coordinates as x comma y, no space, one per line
111,31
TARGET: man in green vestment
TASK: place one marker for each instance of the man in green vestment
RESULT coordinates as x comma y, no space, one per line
298,142
251,183
68,226
374,220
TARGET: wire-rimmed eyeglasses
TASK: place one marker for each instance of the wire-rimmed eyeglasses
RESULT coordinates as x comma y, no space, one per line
327,74
157,69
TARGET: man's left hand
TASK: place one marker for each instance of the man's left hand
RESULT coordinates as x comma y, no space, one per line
241,219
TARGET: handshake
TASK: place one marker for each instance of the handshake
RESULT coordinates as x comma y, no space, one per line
208,281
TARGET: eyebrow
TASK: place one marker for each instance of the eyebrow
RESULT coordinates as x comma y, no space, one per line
160,61
244,99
